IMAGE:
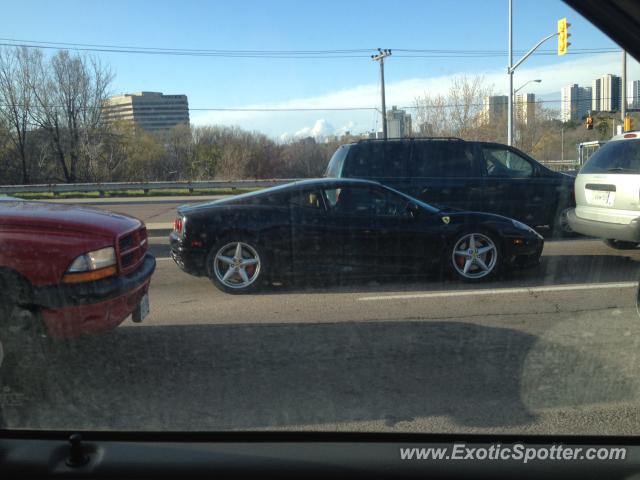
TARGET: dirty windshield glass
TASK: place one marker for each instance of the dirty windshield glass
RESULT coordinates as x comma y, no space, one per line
345,216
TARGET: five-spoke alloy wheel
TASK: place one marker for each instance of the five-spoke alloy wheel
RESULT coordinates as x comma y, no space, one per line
235,266
475,256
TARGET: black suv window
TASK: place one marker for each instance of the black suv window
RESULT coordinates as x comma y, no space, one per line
615,157
442,159
333,169
504,163
377,160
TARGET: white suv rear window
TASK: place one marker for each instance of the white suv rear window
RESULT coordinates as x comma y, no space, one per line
622,156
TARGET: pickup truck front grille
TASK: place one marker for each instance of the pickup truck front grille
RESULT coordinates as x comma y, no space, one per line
132,248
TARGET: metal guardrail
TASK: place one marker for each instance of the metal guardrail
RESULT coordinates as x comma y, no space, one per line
561,165
103,188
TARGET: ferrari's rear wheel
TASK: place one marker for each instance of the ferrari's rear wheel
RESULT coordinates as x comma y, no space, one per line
236,265
475,256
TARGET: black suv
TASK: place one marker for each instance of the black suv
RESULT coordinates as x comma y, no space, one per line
468,175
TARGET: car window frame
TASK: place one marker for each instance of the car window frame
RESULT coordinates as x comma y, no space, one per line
356,149
320,190
535,171
475,170
371,188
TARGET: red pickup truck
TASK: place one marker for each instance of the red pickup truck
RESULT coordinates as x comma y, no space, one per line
77,270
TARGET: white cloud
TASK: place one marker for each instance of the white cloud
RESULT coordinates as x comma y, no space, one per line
403,93
320,129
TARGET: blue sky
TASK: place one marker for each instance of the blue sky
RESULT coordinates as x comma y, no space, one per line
295,25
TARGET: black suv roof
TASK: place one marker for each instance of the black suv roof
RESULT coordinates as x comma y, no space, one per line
410,139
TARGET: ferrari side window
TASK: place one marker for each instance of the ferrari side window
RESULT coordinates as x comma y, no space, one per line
308,199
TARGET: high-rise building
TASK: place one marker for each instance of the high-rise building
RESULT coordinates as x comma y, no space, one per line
575,102
586,94
151,111
595,95
525,108
635,94
610,93
569,102
398,123
495,108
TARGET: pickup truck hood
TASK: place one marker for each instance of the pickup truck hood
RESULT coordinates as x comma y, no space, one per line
55,216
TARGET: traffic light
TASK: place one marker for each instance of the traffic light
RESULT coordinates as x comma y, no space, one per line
563,36
628,123
589,122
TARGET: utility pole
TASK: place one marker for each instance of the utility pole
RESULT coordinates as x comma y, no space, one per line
623,100
510,72
382,54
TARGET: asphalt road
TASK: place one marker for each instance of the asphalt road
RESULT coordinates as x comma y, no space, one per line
548,351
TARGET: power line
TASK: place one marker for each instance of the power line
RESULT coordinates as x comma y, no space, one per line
274,54
307,109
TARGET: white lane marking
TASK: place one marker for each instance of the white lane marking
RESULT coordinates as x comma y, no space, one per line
163,258
500,291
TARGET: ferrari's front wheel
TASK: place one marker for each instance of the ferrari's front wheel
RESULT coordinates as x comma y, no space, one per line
475,256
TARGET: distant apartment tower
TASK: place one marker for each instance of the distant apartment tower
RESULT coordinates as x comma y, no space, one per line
152,111
398,123
595,95
494,108
575,102
635,94
525,108
610,93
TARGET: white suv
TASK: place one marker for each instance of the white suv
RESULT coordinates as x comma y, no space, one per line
607,193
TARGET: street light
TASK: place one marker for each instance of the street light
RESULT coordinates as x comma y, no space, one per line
537,80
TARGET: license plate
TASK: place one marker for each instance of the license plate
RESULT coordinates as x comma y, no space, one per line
142,310
600,197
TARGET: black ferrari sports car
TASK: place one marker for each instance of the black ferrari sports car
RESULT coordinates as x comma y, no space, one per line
329,226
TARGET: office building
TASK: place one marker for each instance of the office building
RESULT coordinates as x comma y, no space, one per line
495,108
575,102
634,94
610,93
398,123
525,108
595,95
151,111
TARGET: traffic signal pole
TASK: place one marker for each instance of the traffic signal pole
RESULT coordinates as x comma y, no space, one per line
510,71
562,49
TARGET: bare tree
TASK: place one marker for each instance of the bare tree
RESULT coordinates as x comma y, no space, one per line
16,98
457,113
69,92
466,97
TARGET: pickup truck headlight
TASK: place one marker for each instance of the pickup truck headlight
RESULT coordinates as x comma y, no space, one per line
92,266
